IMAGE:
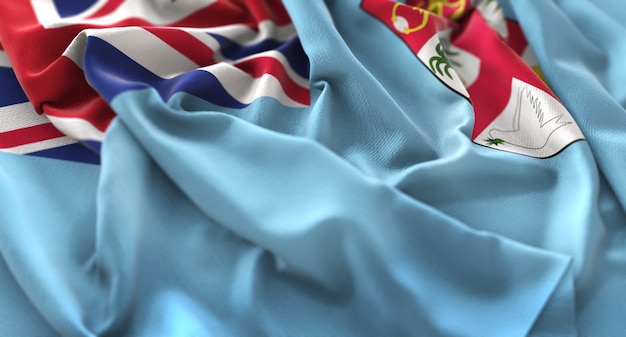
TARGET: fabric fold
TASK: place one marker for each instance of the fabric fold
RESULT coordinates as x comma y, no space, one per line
312,168
322,226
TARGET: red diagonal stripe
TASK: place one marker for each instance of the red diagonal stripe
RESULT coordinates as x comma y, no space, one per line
28,135
258,66
186,44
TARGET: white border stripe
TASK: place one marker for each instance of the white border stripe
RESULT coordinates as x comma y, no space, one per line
267,85
77,128
301,81
4,60
76,49
18,116
39,146
46,12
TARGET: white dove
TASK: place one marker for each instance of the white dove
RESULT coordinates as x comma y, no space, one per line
534,119
532,123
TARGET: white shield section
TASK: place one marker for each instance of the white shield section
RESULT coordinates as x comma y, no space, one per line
466,64
533,123
434,57
529,57
493,15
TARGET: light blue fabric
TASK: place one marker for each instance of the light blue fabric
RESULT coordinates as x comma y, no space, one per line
343,236
369,213
580,47
331,245
47,229
347,236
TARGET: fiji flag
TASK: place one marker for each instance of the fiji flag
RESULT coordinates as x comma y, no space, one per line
312,168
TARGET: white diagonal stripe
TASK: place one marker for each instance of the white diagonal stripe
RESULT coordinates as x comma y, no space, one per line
18,116
4,60
231,79
138,44
301,81
40,146
77,128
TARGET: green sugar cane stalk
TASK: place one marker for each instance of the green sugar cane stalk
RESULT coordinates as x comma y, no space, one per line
488,2
440,64
494,141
